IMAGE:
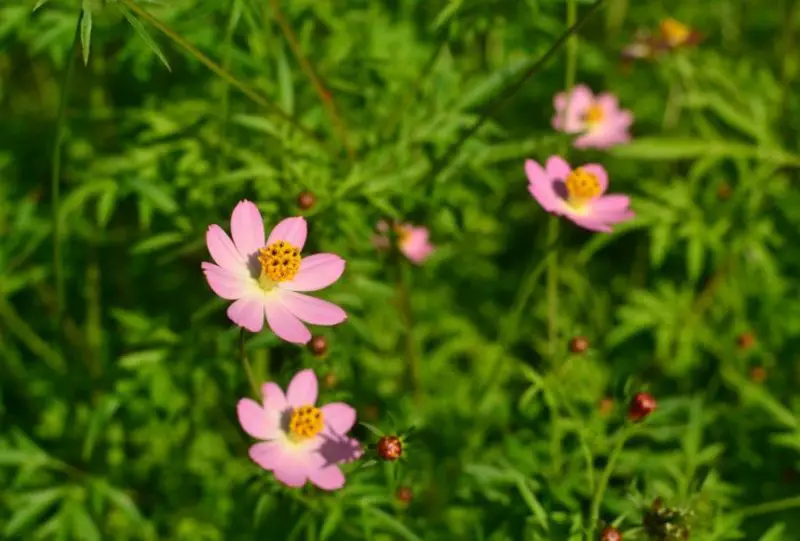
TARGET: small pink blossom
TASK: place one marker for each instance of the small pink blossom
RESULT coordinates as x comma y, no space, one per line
264,278
300,441
599,120
577,194
414,242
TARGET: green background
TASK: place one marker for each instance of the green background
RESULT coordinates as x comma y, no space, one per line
120,373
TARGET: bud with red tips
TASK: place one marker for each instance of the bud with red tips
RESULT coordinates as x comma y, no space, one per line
404,494
642,405
306,200
318,345
610,533
390,448
746,340
579,344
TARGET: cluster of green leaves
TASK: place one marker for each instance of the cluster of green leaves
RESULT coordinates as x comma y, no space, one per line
119,372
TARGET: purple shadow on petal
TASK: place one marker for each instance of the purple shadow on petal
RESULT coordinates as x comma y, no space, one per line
560,189
337,448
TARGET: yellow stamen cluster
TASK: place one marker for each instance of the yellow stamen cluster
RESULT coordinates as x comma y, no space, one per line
594,114
674,32
306,422
280,261
582,186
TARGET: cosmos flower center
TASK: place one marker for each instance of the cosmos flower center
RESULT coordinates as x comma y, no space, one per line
306,422
594,114
674,32
280,261
582,186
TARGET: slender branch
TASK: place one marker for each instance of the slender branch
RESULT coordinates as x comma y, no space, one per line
324,94
55,171
404,303
597,498
225,74
498,104
770,507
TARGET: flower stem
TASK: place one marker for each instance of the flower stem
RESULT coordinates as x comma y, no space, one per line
770,507
404,303
552,289
247,369
55,172
600,490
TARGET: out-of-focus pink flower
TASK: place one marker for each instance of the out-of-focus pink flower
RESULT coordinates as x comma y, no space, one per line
265,278
577,194
599,120
301,442
414,242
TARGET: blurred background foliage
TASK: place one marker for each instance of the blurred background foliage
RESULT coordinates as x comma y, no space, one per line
119,371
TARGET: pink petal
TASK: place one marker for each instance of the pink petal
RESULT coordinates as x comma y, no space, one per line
591,224
416,246
284,324
291,230
570,109
247,228
540,186
339,417
268,454
248,312
599,172
224,252
328,478
610,205
608,103
312,310
316,272
274,399
224,283
303,389
255,420
291,476
557,168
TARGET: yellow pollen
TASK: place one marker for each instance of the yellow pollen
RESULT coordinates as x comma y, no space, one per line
674,32
306,422
280,261
582,186
594,114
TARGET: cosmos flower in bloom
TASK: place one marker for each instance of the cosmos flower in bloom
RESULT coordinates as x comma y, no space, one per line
265,278
598,119
413,241
577,194
301,442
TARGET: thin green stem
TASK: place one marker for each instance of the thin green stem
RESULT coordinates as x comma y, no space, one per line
55,172
247,369
600,490
770,507
404,302
225,74
552,290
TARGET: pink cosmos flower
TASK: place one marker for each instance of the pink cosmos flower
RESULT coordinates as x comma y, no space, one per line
264,278
599,120
577,194
301,442
414,242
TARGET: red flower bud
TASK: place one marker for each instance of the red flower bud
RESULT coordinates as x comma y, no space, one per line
306,200
404,494
318,345
746,341
579,344
758,374
610,534
642,405
390,448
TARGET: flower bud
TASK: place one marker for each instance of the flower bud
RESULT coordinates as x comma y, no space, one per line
606,406
318,345
579,344
724,192
306,200
330,380
390,448
642,405
404,494
758,374
610,533
746,340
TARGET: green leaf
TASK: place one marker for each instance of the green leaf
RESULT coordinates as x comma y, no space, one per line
34,506
142,31
86,30
375,430
140,358
100,416
157,242
160,198
39,4
531,501
332,521
122,501
395,525
285,84
83,527
775,533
